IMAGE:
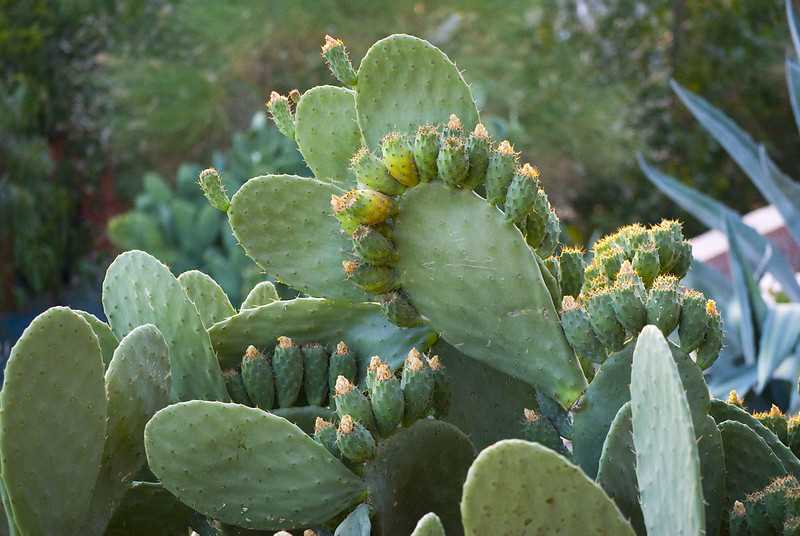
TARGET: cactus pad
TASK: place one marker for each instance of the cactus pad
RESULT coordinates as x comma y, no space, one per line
389,74
211,301
356,523
429,525
262,294
517,487
750,463
494,311
53,423
139,290
327,133
284,224
108,341
269,474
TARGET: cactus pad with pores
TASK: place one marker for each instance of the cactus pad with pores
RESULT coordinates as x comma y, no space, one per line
262,294
211,301
108,341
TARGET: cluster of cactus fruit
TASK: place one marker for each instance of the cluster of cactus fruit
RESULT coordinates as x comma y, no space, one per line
306,433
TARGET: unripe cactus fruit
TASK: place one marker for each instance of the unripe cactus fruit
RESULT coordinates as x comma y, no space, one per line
600,307
426,151
479,146
370,278
372,246
371,173
775,420
325,433
539,429
709,349
418,384
258,379
738,520
500,173
235,385
667,236
554,267
550,281
453,161
579,332
734,399
343,363
372,369
354,441
454,128
399,310
386,397
571,269
281,112
611,261
335,55
287,364
315,368
522,194
366,207
351,401
442,390
683,261
694,320
211,184
664,304
628,297
646,264
631,238
399,159
552,234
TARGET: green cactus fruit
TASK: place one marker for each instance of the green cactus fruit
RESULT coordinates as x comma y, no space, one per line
738,520
371,173
554,267
664,304
213,189
646,264
351,401
600,306
442,390
418,385
399,309
287,365
453,161
571,268
552,233
335,55
453,128
426,151
628,297
366,207
631,238
315,369
611,261
325,433
500,173
775,420
522,195
372,246
579,332
368,277
539,429
536,224
354,441
258,379
694,320
398,157
386,396
550,281
281,112
709,349
479,147
235,386
372,369
343,363
667,236
684,260
429,525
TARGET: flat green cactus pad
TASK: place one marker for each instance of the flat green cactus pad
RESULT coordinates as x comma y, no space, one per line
404,82
268,474
712,467
750,463
53,423
361,325
108,341
327,133
211,301
667,461
356,523
304,416
479,390
262,294
149,509
484,295
521,488
139,290
429,525
137,385
417,470
285,224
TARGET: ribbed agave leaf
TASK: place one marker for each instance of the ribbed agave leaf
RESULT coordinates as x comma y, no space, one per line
794,25
793,81
779,338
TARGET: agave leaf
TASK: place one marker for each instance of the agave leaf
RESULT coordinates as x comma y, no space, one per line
794,25
778,340
793,81
735,378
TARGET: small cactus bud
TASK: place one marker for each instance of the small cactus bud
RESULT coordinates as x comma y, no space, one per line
399,310
399,159
355,442
351,401
343,363
646,264
366,207
213,189
368,277
371,173
315,378
479,147
538,429
287,365
552,235
571,268
522,193
418,385
600,306
426,151
453,161
373,247
258,378
281,113
442,390
236,390
628,297
388,404
664,304
500,173
578,330
694,321
325,433
335,55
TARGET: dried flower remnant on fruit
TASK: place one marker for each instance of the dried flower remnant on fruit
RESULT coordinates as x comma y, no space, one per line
343,386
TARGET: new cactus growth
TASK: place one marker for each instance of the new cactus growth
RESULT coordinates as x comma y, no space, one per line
418,385
600,306
287,362
523,193
365,207
571,268
646,264
387,400
453,161
373,247
579,331
335,54
694,320
351,401
398,157
709,349
354,441
325,433
315,373
399,310
479,147
213,189
500,172
235,386
442,390
426,152
664,304
371,278
281,112
258,379
371,173
342,363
